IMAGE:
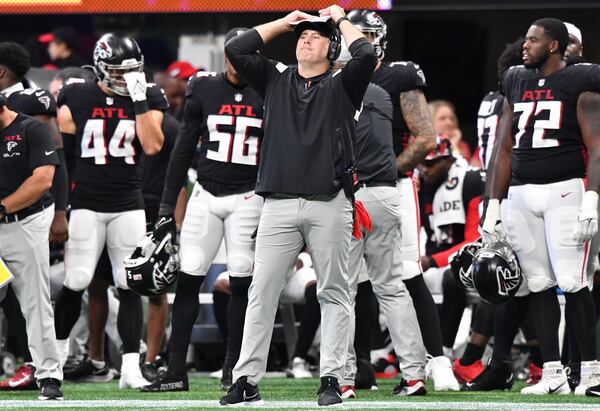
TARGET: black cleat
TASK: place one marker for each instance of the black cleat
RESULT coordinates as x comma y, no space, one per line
329,393
86,371
50,389
498,375
242,394
593,391
150,371
574,377
226,379
168,381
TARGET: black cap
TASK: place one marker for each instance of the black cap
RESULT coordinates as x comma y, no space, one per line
325,27
66,35
234,32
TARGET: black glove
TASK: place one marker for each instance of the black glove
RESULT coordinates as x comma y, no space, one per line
165,225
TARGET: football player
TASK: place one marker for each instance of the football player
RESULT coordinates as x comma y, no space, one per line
404,81
225,114
14,64
549,215
105,126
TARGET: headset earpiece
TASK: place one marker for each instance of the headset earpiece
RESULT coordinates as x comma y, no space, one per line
335,45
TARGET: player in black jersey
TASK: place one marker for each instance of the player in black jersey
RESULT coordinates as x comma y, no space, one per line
14,64
548,123
105,125
405,81
225,114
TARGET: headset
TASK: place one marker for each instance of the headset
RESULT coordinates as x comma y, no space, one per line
335,45
2,100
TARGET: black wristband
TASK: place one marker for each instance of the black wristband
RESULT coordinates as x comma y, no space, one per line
140,107
337,23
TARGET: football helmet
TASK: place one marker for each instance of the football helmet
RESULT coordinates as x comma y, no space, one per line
461,262
114,55
496,272
368,21
153,266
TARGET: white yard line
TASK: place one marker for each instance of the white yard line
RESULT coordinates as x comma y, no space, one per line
174,404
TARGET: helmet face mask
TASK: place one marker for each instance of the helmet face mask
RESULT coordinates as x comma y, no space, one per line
372,25
114,55
496,272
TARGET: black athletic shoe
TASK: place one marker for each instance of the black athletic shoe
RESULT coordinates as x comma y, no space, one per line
86,371
226,379
329,393
574,377
498,375
50,389
150,371
168,381
593,391
365,375
241,394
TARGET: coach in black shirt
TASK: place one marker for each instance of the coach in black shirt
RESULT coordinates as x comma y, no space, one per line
27,162
307,145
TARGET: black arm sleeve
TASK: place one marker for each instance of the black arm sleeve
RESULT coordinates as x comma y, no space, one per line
181,158
357,74
68,152
242,52
60,183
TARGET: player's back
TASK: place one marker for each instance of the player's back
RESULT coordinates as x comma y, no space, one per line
107,150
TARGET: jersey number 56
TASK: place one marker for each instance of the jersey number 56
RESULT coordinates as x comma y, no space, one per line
238,147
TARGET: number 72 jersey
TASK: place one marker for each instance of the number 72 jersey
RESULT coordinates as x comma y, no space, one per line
547,142
107,150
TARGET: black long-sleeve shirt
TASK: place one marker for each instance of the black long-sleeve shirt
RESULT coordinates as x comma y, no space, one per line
305,119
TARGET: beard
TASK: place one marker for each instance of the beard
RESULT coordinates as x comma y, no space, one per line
539,62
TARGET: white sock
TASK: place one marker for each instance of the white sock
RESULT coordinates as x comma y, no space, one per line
130,361
98,364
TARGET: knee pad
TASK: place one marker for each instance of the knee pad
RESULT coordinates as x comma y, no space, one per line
193,261
539,284
240,265
239,285
570,284
77,279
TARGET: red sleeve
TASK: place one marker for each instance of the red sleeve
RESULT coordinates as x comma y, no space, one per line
471,233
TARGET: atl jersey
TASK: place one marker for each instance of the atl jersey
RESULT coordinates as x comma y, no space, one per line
227,119
107,150
488,119
547,142
396,78
33,102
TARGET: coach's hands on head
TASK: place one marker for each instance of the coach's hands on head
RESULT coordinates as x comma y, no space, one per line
334,11
587,221
295,16
490,223
136,85
165,225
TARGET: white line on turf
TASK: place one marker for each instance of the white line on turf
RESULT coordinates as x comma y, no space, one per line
174,404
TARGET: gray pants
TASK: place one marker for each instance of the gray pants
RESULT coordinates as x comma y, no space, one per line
377,248
24,248
285,225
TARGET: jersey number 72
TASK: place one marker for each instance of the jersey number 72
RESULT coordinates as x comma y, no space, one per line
534,108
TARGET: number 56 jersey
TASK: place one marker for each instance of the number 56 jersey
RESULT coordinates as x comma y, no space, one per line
547,142
227,119
107,151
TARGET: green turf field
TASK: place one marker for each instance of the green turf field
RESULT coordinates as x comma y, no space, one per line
289,394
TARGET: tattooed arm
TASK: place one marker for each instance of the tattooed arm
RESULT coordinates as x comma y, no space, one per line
418,118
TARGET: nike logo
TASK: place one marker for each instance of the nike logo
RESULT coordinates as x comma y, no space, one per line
248,197
553,390
16,383
566,194
48,152
251,397
596,393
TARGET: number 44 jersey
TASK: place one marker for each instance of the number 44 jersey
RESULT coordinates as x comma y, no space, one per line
547,142
227,119
107,151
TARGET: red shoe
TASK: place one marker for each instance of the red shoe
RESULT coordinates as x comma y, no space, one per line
22,380
467,373
348,391
535,374
385,368
410,388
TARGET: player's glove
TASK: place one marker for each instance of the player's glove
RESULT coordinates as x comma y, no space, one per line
490,224
587,221
164,226
136,85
